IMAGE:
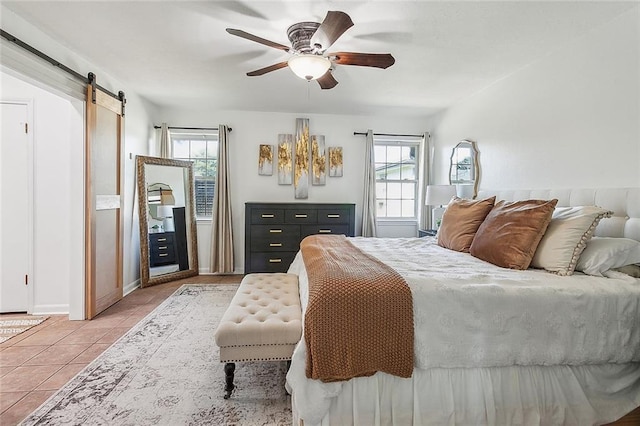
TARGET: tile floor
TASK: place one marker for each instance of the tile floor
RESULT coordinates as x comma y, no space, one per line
38,362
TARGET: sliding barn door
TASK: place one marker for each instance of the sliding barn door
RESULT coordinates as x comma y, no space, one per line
103,185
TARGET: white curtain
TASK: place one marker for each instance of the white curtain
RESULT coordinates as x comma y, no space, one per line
427,178
369,202
221,225
165,142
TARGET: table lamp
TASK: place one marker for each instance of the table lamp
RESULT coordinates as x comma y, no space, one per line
166,213
437,196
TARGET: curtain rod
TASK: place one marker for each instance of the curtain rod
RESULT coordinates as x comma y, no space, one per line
53,62
386,134
191,128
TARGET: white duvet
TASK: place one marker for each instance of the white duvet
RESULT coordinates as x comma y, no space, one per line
469,313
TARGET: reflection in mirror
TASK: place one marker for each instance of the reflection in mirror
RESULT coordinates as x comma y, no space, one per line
168,246
464,170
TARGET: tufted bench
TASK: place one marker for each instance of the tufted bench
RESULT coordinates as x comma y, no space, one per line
262,322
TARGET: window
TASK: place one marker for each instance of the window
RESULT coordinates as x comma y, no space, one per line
202,149
397,172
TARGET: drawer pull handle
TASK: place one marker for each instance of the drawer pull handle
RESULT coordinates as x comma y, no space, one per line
163,254
275,244
301,215
161,240
333,215
268,215
162,247
275,260
275,231
324,231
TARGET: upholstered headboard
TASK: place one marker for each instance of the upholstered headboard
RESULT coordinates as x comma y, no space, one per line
624,202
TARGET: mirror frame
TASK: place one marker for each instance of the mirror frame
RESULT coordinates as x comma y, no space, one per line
145,279
476,164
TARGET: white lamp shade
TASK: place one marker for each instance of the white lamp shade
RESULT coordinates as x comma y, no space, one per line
165,211
439,195
465,191
309,67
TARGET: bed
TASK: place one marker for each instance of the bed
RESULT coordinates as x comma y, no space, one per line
494,345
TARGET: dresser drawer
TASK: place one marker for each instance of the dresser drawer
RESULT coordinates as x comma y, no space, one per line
272,262
161,239
307,230
264,216
334,216
163,257
275,244
275,230
301,216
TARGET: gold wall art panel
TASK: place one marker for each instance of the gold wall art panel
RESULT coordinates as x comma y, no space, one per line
285,159
318,160
265,160
301,171
335,161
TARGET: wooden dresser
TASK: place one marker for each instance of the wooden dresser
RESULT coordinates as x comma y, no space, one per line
273,231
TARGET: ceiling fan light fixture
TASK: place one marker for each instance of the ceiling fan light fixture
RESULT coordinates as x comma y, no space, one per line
308,66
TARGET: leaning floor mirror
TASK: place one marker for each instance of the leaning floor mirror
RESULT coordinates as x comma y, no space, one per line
168,245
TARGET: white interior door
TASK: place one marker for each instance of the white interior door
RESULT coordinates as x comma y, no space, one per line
15,232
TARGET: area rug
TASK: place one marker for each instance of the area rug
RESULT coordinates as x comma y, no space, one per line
14,325
166,371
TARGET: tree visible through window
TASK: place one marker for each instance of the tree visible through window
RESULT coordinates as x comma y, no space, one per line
202,150
397,171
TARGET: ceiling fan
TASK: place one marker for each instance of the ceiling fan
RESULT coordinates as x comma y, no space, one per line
309,42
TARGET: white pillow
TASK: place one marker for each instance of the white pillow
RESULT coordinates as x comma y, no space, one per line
604,253
566,238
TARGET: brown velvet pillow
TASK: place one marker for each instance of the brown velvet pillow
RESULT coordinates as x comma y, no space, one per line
511,232
461,221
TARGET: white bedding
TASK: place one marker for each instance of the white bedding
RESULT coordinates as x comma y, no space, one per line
472,315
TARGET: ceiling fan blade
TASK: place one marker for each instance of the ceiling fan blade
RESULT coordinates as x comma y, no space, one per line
377,60
244,34
333,26
327,81
265,70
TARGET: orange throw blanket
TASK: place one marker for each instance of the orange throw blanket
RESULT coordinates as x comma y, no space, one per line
359,318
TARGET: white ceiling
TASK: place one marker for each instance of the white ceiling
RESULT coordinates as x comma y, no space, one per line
178,52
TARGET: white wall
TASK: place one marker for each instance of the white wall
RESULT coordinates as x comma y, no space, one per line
138,132
250,129
571,119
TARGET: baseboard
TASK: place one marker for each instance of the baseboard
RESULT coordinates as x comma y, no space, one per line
131,287
50,310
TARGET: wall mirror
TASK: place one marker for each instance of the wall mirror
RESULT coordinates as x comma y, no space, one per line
464,169
168,245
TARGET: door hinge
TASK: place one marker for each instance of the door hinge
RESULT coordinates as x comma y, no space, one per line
26,127
26,280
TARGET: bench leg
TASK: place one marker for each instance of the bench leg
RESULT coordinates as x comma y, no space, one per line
229,369
288,366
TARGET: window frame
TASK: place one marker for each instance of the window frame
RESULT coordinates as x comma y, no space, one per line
191,136
418,143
